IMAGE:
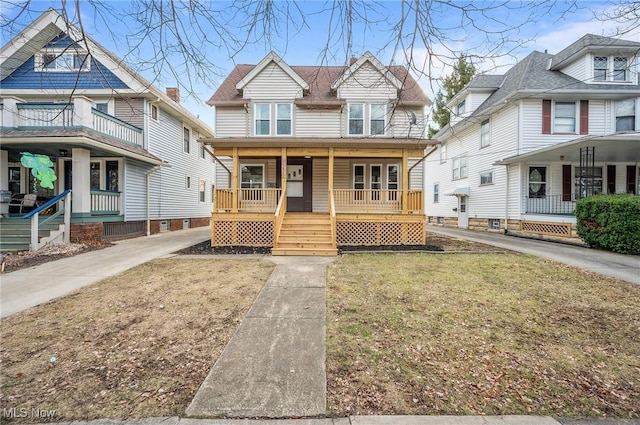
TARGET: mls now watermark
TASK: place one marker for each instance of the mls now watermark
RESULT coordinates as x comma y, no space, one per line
24,412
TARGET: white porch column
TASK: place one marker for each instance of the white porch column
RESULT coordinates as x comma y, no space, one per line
81,182
82,112
4,178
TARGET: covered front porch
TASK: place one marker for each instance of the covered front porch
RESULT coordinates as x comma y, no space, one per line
308,197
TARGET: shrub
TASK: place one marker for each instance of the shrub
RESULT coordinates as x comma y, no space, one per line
611,222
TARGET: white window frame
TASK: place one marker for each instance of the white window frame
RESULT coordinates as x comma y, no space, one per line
393,196
460,167
462,106
253,185
436,193
201,149
202,191
99,105
488,176
556,118
155,112
634,102
384,118
187,182
612,72
349,119
485,134
255,118
186,139
443,153
64,61
543,183
277,107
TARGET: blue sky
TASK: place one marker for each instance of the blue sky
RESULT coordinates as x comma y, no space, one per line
301,42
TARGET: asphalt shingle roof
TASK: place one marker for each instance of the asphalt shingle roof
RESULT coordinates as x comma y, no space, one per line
590,41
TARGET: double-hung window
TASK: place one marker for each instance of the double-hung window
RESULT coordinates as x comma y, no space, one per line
486,177
436,193
600,68
620,69
378,113
283,119
611,68
443,153
263,119
485,140
201,190
186,140
460,168
625,115
356,119
564,120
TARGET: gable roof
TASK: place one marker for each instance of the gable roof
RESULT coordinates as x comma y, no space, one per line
51,24
271,57
319,80
367,57
591,42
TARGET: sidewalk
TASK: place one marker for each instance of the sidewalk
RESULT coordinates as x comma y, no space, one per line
619,266
274,366
29,287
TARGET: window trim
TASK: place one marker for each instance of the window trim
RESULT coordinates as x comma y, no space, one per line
155,112
255,118
443,153
485,134
364,176
544,183
384,119
611,73
492,179
555,117
187,182
202,191
436,193
461,107
349,119
460,163
40,66
202,151
186,139
635,114
263,184
290,120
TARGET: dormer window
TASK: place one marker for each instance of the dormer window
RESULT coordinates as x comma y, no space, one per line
461,107
611,68
61,61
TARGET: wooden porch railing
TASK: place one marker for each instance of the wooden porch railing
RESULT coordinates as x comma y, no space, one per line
332,214
281,209
104,202
371,200
249,200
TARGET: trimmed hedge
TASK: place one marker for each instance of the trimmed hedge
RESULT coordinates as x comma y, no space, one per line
611,222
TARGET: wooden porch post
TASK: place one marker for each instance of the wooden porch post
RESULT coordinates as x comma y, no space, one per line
330,175
234,181
283,172
405,180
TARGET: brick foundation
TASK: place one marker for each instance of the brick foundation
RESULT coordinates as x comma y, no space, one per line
86,233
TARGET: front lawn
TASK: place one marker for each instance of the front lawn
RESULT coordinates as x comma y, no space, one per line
489,334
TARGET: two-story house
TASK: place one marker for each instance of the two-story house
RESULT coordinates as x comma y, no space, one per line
314,157
522,147
127,151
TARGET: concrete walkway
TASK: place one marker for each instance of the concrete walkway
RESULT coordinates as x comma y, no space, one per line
29,287
619,266
274,366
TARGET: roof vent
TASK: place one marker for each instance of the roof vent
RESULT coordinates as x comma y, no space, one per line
174,94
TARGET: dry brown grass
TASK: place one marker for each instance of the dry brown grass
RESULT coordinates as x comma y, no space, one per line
135,345
480,334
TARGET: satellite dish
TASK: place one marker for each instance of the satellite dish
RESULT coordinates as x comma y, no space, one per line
412,118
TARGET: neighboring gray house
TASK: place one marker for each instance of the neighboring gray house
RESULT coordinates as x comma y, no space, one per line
523,146
128,152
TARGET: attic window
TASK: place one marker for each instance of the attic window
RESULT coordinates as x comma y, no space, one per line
61,61
611,68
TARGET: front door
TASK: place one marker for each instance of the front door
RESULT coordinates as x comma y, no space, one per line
299,185
463,213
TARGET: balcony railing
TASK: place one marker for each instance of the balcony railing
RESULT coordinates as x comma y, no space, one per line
47,115
550,204
105,202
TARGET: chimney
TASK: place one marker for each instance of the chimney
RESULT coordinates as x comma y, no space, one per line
353,60
174,94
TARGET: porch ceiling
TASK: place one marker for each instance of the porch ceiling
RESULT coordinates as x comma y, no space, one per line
621,147
50,144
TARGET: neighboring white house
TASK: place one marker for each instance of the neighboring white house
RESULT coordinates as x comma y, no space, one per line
340,145
128,151
523,146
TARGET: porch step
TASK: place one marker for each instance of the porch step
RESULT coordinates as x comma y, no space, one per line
15,232
305,234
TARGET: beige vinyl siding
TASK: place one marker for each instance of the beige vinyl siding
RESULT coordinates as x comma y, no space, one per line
130,110
271,171
321,184
342,173
231,122
317,123
416,175
272,83
365,81
223,177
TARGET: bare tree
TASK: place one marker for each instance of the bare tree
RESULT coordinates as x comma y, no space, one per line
184,41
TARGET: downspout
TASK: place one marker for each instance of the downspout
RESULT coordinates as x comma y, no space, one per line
506,201
148,174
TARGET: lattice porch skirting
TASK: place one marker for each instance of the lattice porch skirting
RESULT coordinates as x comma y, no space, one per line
555,229
380,229
242,229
